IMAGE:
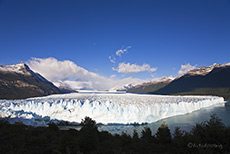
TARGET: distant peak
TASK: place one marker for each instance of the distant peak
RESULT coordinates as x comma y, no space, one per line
220,65
163,79
205,70
21,68
215,64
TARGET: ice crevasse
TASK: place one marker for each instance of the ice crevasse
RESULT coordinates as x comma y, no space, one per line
105,108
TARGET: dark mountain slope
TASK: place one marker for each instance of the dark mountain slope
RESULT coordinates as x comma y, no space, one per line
19,82
215,82
150,86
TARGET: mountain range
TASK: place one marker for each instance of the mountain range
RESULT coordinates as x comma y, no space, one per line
211,80
19,82
151,86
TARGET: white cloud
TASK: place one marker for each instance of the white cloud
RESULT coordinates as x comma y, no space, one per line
133,68
76,77
55,70
120,83
186,68
122,51
118,53
112,59
112,76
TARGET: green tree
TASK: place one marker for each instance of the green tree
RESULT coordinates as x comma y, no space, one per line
211,131
147,135
88,123
179,141
54,127
135,135
163,134
178,133
89,136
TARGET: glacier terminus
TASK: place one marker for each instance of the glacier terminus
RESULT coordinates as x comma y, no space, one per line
104,108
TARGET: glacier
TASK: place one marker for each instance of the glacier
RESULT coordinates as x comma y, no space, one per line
104,108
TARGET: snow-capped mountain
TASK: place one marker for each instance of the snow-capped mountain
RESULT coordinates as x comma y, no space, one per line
151,86
19,81
124,88
205,70
211,80
17,68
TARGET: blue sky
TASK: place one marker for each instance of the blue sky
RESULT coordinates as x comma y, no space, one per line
163,34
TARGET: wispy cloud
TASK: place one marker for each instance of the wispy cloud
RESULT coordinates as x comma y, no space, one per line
186,68
76,77
112,59
133,68
118,53
122,51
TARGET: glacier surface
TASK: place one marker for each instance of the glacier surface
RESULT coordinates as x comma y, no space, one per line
104,108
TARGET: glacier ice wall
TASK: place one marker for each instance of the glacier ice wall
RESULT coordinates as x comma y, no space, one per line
104,108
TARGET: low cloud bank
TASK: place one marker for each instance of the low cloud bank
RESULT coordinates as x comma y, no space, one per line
70,74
